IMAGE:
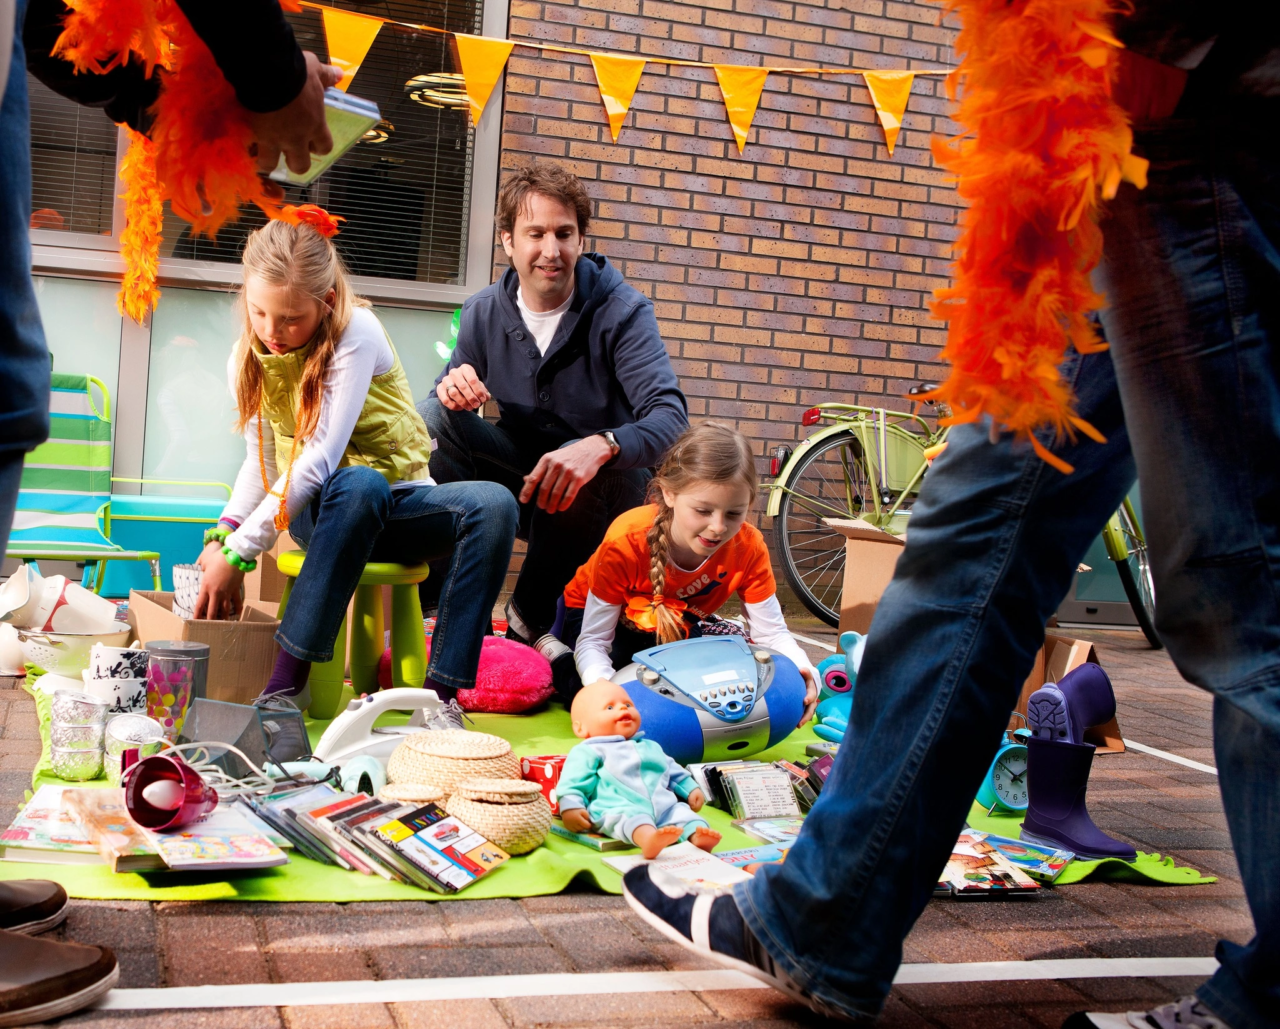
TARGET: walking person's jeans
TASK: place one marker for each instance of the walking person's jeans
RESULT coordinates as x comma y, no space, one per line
359,518
1192,275
469,448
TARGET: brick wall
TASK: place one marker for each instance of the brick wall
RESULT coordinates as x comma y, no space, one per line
793,274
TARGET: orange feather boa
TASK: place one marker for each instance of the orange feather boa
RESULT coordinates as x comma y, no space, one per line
1044,145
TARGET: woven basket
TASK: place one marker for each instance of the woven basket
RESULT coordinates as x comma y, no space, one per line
411,793
444,757
511,812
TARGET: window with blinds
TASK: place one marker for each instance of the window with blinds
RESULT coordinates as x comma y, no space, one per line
73,164
404,190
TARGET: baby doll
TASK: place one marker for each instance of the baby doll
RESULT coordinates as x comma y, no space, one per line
626,787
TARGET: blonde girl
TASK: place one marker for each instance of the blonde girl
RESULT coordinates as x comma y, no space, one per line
664,569
336,454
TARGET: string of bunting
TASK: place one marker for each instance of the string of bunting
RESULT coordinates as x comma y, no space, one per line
482,60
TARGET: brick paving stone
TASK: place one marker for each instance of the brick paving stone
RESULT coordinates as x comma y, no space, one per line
200,1018
420,924
446,962
678,959
569,902
1151,943
319,966
113,923
757,1005
186,941
605,1010
488,923
449,1014
597,942
338,1016
1030,945
945,995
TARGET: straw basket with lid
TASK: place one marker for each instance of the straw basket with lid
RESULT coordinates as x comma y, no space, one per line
512,813
444,757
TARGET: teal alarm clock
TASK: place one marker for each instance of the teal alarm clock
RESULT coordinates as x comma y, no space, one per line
1004,787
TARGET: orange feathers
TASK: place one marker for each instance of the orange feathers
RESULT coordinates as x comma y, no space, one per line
310,214
140,240
1044,145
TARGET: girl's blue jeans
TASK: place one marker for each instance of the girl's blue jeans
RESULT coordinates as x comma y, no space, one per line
359,518
1192,274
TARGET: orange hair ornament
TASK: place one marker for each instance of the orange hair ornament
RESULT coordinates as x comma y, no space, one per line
1044,145
309,214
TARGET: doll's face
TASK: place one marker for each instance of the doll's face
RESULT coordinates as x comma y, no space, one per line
604,709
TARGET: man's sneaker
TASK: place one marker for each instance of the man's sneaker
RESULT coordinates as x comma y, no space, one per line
448,715
31,905
711,925
1186,1013
43,979
564,670
516,628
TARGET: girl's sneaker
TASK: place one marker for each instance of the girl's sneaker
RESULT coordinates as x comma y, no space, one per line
1185,1013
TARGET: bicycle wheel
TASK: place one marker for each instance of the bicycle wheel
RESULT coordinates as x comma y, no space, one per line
1135,576
829,482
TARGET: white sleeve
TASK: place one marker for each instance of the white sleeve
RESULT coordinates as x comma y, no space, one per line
766,626
356,358
248,490
595,641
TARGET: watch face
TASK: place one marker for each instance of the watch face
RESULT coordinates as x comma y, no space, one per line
1009,777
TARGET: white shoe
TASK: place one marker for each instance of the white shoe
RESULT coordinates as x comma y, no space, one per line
1185,1013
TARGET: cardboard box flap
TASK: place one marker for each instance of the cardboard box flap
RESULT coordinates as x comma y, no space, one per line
1058,656
860,529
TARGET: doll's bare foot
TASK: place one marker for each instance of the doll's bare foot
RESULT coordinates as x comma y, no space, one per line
704,839
651,841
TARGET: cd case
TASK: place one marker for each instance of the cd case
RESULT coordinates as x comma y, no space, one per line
349,118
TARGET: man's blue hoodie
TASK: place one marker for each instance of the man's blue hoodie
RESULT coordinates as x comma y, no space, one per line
606,367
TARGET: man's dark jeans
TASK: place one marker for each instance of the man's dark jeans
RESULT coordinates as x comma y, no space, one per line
470,448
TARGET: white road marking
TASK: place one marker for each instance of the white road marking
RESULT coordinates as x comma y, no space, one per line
570,984
1177,759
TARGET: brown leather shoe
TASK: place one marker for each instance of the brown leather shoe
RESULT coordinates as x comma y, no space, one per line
31,905
44,979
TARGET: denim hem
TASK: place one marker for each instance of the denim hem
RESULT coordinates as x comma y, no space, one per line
452,681
1223,996
755,922
314,656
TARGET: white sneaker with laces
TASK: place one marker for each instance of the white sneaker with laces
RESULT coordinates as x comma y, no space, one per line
1185,1013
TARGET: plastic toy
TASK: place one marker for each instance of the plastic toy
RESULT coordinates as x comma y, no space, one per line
510,680
837,676
714,697
545,771
352,733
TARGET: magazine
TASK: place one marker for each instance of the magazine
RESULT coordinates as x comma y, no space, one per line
45,832
224,840
1038,862
449,853
594,840
102,813
977,870
683,866
765,854
771,830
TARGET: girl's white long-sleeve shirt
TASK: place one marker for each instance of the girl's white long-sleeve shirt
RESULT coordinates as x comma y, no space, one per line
764,624
362,352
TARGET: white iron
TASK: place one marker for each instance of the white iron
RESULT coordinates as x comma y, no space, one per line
352,733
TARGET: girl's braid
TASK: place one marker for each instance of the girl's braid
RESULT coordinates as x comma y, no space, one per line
669,627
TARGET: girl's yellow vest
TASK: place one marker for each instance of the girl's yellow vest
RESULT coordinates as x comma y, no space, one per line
390,436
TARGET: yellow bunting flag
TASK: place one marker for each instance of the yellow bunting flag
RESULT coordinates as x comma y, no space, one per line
741,87
617,78
889,92
482,60
349,37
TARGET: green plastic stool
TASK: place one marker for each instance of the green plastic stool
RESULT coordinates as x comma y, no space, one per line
408,643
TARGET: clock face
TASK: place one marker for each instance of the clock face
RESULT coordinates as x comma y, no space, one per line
1009,777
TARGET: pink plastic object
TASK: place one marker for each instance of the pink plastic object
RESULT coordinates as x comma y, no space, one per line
197,800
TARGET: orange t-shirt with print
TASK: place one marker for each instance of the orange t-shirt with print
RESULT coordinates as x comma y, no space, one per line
618,572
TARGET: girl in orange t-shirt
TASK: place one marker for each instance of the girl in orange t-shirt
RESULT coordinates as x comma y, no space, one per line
664,569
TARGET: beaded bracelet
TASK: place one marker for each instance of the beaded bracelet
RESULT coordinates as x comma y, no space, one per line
218,532
236,561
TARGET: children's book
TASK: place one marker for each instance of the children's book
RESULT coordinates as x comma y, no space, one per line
46,833
105,819
224,840
772,830
1038,862
345,825
682,866
318,822
594,840
765,854
977,870
285,809
448,852
269,809
260,825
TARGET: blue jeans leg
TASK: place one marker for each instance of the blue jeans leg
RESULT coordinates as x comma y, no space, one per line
10,477
995,538
24,357
359,518
1193,274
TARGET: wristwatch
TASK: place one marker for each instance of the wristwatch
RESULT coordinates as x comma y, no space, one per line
614,446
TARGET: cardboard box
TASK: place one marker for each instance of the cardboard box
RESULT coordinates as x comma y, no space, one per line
266,582
870,556
241,654
1058,656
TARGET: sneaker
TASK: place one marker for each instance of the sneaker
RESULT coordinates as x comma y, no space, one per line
448,715
1186,1013
45,979
710,925
31,905
284,699
516,628
564,670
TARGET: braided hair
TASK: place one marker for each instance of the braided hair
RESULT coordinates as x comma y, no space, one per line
707,453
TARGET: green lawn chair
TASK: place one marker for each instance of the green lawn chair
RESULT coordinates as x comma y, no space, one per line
64,502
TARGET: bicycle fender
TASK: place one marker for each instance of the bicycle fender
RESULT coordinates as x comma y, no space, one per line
776,488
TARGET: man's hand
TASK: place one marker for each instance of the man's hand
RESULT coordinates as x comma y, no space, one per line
219,585
462,390
559,475
696,800
299,128
577,820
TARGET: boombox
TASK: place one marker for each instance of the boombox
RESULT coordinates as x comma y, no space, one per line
714,697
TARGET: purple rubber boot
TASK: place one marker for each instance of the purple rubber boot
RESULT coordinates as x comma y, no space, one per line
1057,778
1064,710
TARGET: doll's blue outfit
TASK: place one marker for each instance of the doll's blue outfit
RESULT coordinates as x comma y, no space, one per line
626,783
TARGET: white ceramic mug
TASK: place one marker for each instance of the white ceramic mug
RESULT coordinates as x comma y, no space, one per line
122,696
107,662
186,589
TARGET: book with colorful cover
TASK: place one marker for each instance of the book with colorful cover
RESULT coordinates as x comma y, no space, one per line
682,866
446,850
45,832
105,819
771,830
977,869
765,854
317,822
1040,863
594,840
224,840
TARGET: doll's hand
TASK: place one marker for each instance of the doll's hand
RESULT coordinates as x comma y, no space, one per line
577,820
810,694
696,800
220,583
